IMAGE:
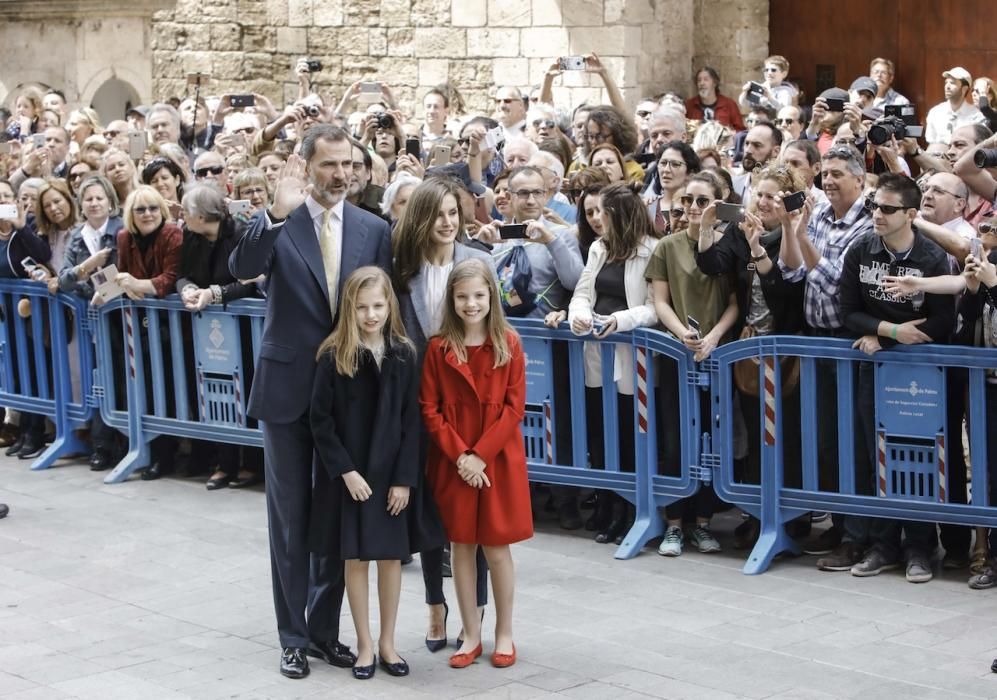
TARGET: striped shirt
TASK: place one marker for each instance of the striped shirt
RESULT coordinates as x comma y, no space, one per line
831,237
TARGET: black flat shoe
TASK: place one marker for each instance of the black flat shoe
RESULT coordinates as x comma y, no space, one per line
398,669
31,448
365,673
244,483
100,461
333,653
155,471
218,482
294,663
15,446
434,645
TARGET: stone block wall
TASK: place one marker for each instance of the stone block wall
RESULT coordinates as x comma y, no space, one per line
648,45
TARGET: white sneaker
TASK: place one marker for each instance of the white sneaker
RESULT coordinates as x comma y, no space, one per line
671,546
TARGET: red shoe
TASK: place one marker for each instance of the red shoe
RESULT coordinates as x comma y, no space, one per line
500,660
466,659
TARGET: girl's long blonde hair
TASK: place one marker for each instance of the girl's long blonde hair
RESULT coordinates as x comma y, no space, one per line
343,344
452,328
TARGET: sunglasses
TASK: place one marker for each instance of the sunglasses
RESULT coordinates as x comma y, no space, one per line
887,209
770,69
463,142
546,123
214,170
701,202
676,213
784,122
151,209
987,228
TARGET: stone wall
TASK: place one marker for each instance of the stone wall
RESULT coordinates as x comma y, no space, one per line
648,45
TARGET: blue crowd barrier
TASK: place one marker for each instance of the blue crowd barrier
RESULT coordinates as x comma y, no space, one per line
909,470
36,362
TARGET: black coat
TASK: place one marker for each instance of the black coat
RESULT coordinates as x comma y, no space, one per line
370,422
204,263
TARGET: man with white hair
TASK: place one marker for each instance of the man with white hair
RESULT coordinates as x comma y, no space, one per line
665,125
163,123
541,122
553,172
518,151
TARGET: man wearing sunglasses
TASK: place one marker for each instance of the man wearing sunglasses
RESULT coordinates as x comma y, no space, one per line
814,250
882,319
210,168
510,111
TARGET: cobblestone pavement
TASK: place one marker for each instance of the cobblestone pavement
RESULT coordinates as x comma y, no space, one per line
150,590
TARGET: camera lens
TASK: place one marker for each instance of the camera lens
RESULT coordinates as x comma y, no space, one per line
385,121
985,158
313,111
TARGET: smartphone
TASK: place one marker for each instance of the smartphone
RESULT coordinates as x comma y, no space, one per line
755,92
599,324
982,102
733,213
835,104
34,270
571,63
138,142
198,78
794,201
481,213
645,159
494,138
240,206
314,66
413,147
512,231
975,247
369,93
440,155
38,140
692,324
8,211
242,100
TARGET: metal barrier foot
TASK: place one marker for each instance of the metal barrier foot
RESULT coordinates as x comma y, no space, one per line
137,458
643,531
772,542
64,446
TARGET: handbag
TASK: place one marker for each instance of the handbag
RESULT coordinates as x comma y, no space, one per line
746,370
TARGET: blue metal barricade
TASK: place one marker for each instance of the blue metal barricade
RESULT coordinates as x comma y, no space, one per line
157,348
36,361
906,462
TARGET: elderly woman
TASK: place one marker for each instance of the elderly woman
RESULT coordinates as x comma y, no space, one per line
148,258
210,236
396,196
251,185
92,246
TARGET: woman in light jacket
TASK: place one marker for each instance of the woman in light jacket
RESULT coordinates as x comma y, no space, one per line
612,295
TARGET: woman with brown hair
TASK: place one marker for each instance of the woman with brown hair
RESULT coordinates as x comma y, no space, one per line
57,215
608,158
607,125
584,191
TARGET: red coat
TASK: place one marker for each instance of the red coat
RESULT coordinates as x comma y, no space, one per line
475,406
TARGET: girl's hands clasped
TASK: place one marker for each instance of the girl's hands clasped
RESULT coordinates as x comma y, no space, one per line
397,499
471,469
357,486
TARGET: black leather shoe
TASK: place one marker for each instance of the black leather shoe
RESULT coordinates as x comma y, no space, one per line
294,663
155,471
4,510
333,653
216,483
31,448
365,673
100,461
398,669
244,483
15,446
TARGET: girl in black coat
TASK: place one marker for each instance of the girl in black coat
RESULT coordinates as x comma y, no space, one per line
366,422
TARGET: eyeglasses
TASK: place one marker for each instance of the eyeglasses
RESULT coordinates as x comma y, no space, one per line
673,164
527,194
888,209
214,170
598,137
935,189
252,192
463,142
151,209
546,123
676,213
784,122
848,141
77,176
701,202
987,228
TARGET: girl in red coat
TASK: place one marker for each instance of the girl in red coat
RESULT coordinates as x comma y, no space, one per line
473,396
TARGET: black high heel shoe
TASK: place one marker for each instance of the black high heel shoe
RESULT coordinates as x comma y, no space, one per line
434,645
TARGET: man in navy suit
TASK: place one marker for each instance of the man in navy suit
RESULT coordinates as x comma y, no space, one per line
307,244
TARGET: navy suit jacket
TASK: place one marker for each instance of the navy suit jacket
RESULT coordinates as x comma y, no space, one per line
298,316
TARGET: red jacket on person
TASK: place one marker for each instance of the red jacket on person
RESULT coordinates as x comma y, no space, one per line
725,111
475,406
160,261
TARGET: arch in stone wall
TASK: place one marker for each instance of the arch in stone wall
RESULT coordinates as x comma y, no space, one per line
114,84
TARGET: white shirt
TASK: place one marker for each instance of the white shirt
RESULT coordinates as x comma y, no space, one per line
942,121
962,227
92,238
514,130
436,288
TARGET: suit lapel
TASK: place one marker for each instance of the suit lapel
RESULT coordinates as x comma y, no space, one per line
301,232
417,295
354,242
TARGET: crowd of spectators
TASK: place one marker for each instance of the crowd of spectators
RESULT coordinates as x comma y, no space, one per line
710,217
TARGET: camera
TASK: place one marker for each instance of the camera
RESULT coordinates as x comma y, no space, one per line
314,66
985,158
885,127
313,111
385,121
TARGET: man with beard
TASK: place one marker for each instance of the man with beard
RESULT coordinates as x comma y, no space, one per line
307,244
761,146
945,117
361,192
709,105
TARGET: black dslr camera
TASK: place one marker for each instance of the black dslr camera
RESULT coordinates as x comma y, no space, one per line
985,158
385,121
885,127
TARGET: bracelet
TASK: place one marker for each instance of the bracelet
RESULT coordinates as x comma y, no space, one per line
216,294
757,258
893,333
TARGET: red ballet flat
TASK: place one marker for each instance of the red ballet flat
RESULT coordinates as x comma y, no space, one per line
500,660
465,660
